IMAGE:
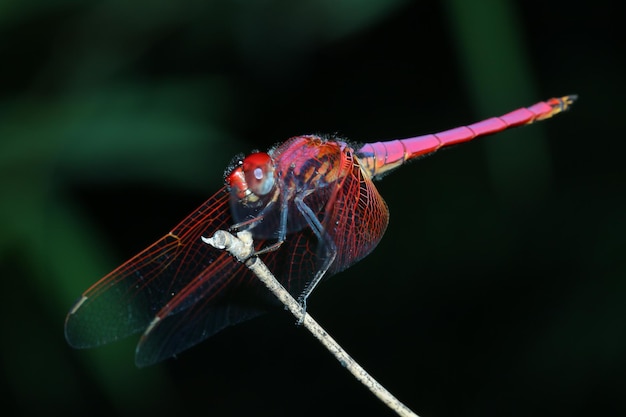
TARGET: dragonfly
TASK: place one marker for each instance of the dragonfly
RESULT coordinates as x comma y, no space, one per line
313,210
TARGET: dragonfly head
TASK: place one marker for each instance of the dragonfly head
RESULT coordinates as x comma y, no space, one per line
253,178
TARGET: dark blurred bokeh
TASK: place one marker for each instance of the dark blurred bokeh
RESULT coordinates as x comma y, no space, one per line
499,287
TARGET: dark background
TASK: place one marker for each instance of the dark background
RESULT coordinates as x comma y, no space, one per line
498,288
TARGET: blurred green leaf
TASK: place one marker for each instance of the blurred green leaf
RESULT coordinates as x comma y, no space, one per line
490,42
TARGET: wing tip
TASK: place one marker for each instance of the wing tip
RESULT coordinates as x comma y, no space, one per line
69,326
142,359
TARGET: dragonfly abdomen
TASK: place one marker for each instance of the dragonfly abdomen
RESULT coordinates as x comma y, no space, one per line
380,158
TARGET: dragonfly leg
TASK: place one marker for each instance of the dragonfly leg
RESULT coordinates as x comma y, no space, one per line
245,225
270,248
248,225
326,243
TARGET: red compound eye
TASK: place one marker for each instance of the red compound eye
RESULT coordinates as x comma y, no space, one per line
258,171
237,182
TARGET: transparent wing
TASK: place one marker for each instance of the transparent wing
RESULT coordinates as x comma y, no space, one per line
126,300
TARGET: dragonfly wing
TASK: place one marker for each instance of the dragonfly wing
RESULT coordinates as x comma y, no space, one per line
231,296
222,296
356,219
181,331
126,300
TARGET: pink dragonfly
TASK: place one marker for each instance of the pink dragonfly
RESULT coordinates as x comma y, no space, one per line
313,211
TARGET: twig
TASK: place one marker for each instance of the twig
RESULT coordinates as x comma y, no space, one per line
242,249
